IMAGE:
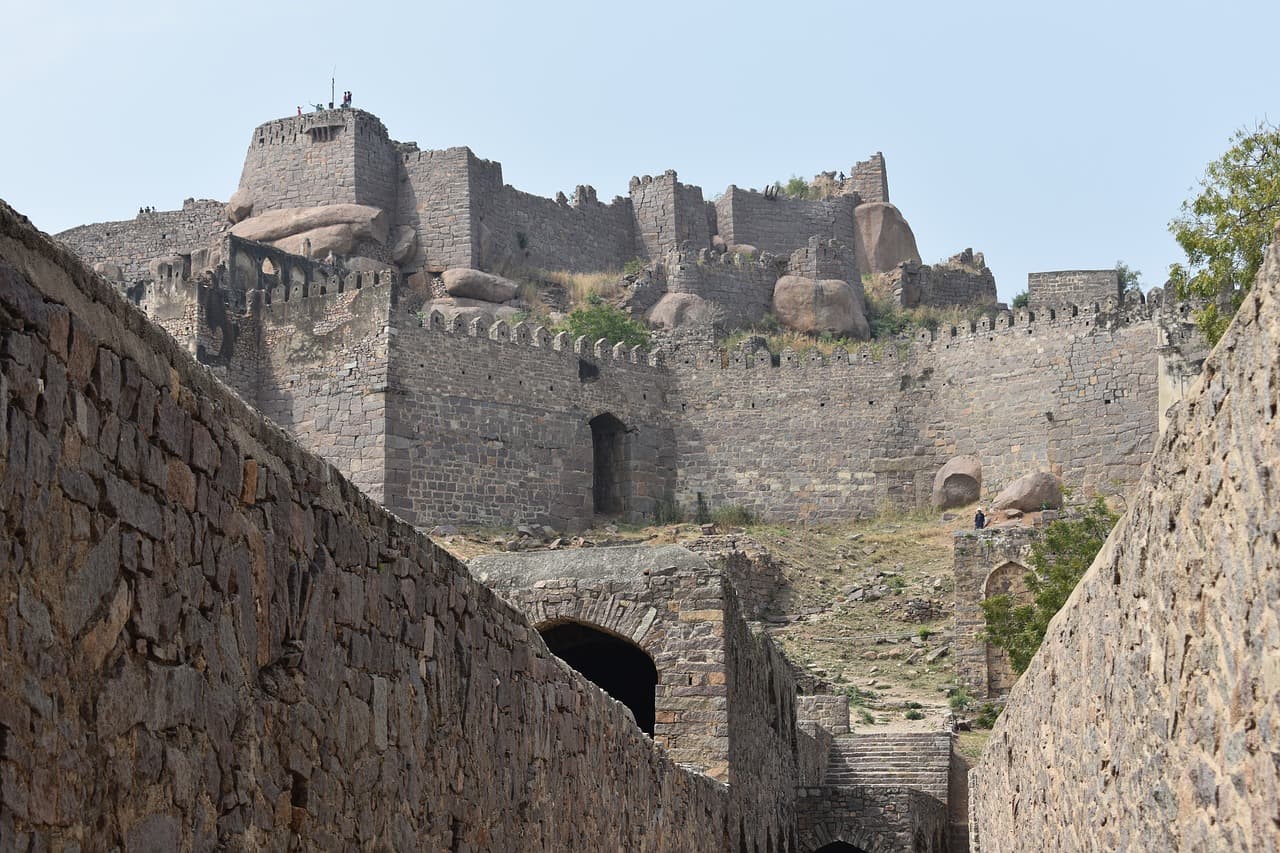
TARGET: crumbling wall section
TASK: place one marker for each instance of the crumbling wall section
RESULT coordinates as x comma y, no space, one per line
955,283
978,553
520,229
781,224
1150,710
739,288
216,641
871,179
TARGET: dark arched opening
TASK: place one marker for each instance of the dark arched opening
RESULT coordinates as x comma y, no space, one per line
839,847
608,464
619,668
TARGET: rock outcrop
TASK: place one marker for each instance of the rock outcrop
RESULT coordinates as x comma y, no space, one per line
330,228
474,284
957,483
1031,492
882,238
676,310
818,306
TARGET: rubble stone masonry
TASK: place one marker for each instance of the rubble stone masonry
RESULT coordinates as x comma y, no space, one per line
212,640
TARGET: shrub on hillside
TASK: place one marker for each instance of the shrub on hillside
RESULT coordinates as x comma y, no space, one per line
598,319
1058,561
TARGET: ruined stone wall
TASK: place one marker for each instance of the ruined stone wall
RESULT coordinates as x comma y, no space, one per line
436,202
326,157
215,641
493,427
654,203
871,179
517,228
1149,714
942,285
130,244
829,258
807,439
1071,287
781,225
978,553
739,288
1075,395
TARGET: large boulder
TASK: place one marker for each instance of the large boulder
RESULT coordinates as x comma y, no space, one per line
676,310
321,242
109,271
882,238
240,207
474,284
404,244
357,221
1031,492
958,483
817,306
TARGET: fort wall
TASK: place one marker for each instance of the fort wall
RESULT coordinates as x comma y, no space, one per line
944,285
739,288
324,157
132,244
980,557
871,179
782,224
492,425
822,438
436,201
1150,710
255,653
1072,287
549,234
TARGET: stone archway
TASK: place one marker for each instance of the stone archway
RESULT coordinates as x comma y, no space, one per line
615,665
1005,579
608,468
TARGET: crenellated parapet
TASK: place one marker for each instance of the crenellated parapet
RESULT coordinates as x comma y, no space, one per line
538,337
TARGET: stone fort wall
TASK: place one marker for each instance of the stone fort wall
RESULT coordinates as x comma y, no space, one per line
824,438
1072,287
132,243
256,654
1150,710
782,224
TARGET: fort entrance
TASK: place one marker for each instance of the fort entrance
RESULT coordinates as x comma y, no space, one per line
618,667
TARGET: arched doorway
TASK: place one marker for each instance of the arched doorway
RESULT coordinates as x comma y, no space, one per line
839,847
1005,579
618,667
608,464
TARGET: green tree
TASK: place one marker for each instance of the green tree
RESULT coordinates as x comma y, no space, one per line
1130,279
796,187
1225,230
1058,560
1021,300
598,319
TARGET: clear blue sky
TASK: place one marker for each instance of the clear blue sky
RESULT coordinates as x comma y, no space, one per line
1049,136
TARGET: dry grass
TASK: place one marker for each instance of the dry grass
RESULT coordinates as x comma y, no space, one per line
581,285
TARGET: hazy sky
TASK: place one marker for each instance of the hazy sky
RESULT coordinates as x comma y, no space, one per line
1048,136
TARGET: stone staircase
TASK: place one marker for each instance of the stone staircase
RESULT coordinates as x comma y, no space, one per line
919,760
